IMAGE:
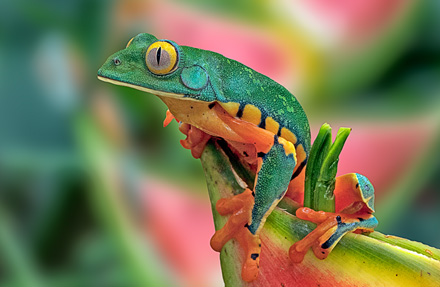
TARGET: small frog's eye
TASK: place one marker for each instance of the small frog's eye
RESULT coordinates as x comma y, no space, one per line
129,42
161,58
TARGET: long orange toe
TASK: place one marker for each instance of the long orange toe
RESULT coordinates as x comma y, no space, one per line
196,139
328,223
240,208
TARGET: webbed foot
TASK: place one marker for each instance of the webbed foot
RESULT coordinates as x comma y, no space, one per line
240,208
196,139
331,228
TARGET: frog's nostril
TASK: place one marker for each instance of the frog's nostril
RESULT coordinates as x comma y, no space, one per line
116,61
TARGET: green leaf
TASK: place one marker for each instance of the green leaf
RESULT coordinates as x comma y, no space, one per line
322,167
317,153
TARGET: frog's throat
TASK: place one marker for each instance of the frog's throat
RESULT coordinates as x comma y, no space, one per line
140,88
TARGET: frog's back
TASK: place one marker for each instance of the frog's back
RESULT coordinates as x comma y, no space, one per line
253,97
256,98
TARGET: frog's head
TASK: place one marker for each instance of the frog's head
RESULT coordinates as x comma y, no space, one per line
160,67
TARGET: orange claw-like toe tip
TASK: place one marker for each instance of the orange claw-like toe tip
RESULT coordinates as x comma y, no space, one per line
197,151
185,144
295,255
216,243
168,118
250,270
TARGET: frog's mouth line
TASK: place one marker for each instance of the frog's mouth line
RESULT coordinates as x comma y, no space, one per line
151,91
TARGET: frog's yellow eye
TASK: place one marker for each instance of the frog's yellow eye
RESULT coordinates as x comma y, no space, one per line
161,58
129,42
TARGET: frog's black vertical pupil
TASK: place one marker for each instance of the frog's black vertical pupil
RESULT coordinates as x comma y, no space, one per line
159,52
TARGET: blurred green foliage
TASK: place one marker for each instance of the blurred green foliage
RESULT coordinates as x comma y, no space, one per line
51,231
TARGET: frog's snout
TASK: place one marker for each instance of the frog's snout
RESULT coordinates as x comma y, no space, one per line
108,67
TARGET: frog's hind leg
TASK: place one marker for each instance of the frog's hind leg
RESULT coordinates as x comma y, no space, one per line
250,209
331,228
273,176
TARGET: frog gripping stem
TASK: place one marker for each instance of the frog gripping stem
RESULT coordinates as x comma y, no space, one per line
350,196
196,139
331,228
240,208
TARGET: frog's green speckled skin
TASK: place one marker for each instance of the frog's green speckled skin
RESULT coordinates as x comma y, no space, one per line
205,76
202,81
227,81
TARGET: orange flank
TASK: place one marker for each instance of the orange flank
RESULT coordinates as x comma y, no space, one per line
212,119
272,125
250,133
288,146
251,114
288,135
231,108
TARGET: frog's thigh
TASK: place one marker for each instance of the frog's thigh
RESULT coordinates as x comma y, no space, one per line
273,176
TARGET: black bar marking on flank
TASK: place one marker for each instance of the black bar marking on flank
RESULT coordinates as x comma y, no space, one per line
262,123
261,154
254,256
240,110
298,170
275,140
279,131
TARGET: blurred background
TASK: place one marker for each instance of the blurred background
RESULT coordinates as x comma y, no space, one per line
94,192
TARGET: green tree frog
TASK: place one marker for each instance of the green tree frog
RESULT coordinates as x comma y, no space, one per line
213,96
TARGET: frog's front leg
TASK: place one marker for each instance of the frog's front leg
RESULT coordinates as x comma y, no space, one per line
196,139
250,209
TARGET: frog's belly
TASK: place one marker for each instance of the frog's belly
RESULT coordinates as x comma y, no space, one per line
203,116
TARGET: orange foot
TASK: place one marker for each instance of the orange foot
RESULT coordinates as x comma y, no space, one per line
320,238
195,141
240,208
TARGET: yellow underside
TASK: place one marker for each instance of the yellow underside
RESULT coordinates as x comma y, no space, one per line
198,114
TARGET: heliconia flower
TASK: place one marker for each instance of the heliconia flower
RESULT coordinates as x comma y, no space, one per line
357,260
